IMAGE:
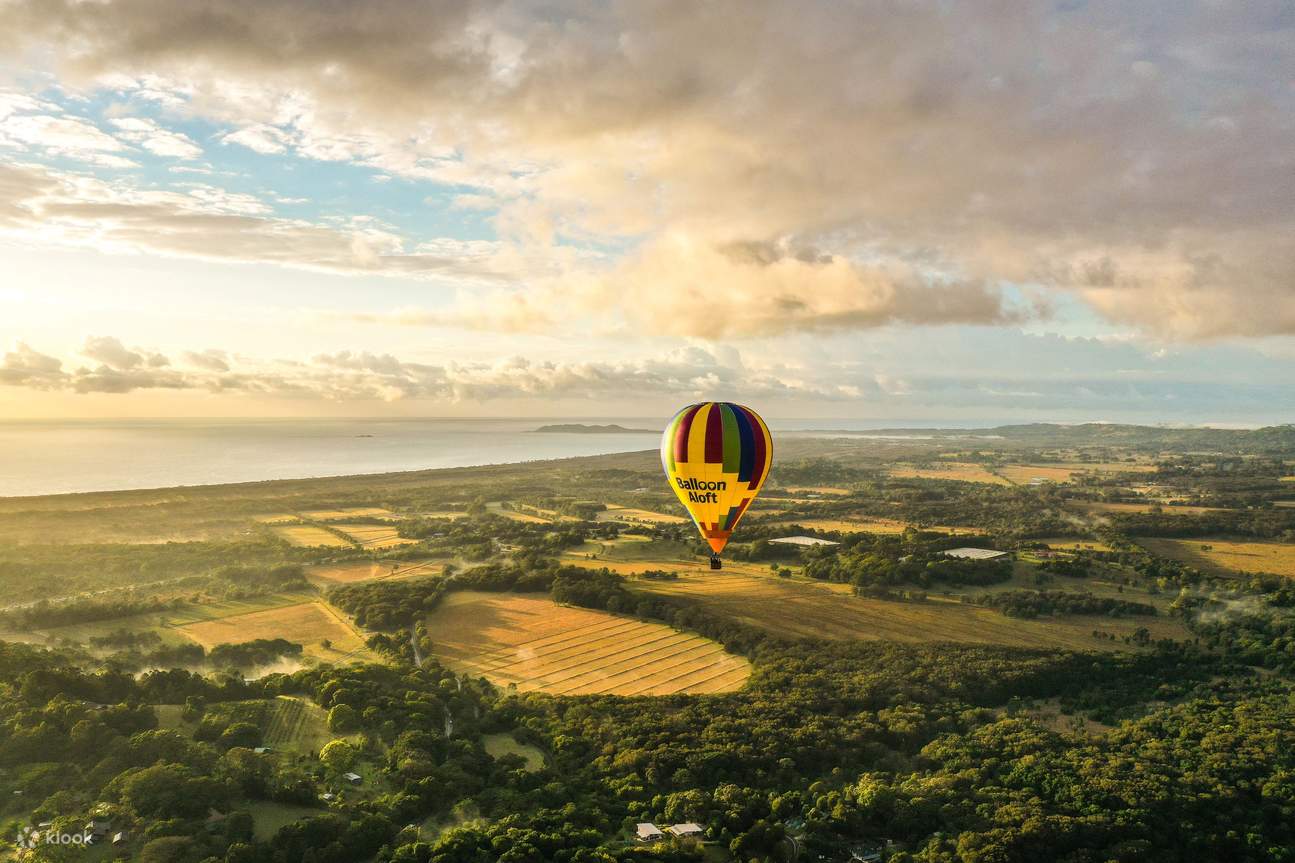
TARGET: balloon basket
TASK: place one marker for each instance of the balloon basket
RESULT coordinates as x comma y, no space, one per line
715,562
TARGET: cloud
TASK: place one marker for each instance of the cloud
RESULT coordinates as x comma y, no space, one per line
111,352
43,205
211,360
152,137
64,136
25,367
928,152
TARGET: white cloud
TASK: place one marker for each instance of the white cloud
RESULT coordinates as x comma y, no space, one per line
152,137
260,138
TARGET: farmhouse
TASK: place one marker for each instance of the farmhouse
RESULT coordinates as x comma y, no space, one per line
803,540
648,833
685,831
976,553
353,778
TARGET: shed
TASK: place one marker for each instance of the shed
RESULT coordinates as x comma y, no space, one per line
803,540
647,832
969,553
353,778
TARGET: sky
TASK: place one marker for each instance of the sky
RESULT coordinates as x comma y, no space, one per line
975,212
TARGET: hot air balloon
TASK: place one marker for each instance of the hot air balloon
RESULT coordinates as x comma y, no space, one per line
716,457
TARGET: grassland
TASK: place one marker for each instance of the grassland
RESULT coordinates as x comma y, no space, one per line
374,536
1102,507
1069,544
343,513
644,516
960,471
499,745
308,624
308,535
869,525
532,643
328,575
807,610
1227,557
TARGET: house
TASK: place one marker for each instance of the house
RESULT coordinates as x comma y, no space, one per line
685,831
976,553
353,778
646,832
261,750
96,829
120,837
328,797
803,540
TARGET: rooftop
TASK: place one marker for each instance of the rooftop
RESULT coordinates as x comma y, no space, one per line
975,553
803,540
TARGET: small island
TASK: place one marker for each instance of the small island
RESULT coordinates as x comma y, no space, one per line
581,428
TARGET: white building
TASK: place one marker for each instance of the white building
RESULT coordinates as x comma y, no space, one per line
803,540
685,831
648,833
976,553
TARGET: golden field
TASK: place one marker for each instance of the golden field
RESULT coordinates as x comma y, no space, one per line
309,535
531,642
349,512
374,535
961,471
809,610
349,573
1226,556
306,623
624,513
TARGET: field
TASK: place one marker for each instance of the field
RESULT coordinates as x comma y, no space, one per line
1146,507
309,535
296,725
349,512
1068,544
533,643
1023,474
962,471
804,610
374,535
624,513
1227,557
499,745
349,573
815,489
870,525
306,623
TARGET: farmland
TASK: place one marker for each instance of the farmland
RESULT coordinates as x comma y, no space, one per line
306,623
805,610
959,471
348,573
309,535
373,535
629,514
1228,557
532,643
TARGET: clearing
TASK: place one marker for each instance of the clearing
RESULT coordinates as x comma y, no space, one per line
308,624
349,573
1226,556
374,535
961,471
499,745
811,610
529,641
309,535
349,512
625,513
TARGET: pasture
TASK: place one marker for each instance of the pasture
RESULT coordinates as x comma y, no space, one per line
328,575
530,642
1227,557
309,535
342,513
307,623
802,609
499,745
1152,506
869,525
374,536
959,471
644,516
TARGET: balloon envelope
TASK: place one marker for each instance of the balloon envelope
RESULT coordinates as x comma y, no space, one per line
716,456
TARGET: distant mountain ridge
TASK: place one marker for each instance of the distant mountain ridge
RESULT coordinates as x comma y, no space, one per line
581,428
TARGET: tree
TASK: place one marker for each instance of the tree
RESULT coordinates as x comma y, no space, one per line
338,755
343,719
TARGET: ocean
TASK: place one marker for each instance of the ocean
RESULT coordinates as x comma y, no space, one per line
59,456
53,457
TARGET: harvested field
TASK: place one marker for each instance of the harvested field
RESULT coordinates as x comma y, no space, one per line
1067,544
1227,557
307,623
349,573
1024,474
870,525
374,535
277,518
1148,507
815,489
309,535
960,471
349,512
804,610
624,513
531,642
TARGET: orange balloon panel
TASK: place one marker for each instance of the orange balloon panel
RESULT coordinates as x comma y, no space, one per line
716,456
